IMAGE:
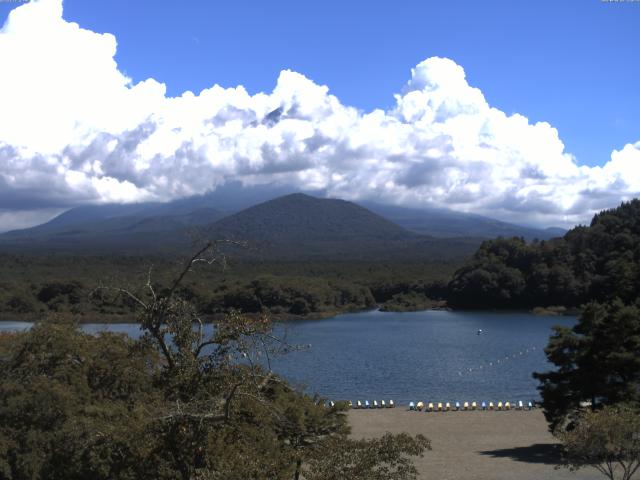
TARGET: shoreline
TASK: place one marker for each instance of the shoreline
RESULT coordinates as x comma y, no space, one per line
474,445
284,318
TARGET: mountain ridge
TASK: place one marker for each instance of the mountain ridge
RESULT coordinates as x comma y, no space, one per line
444,223
279,226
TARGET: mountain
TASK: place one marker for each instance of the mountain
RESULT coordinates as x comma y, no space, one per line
299,225
302,217
444,223
126,228
554,232
291,226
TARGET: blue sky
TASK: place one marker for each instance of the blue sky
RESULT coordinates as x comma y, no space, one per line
524,111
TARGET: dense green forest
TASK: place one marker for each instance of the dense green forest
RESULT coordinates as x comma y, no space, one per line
33,285
599,262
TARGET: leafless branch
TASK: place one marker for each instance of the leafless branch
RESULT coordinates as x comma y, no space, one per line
187,267
198,257
150,286
122,291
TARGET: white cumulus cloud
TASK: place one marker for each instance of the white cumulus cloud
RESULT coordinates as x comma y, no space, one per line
74,129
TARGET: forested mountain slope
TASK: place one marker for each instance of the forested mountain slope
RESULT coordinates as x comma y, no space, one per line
295,226
596,262
444,223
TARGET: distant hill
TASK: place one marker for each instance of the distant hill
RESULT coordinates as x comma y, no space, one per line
299,225
292,226
306,218
447,223
118,228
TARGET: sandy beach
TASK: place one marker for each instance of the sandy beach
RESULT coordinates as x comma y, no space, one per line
475,445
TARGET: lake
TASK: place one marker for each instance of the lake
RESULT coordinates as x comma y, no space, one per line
430,355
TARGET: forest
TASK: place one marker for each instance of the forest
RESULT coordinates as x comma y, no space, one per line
36,285
596,262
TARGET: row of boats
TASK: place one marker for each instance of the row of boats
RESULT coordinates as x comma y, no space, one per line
375,404
441,406
447,406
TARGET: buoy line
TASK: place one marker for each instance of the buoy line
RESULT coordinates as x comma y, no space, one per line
500,361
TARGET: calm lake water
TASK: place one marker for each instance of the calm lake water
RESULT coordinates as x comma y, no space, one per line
430,356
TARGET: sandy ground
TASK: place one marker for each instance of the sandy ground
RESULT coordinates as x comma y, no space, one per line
475,445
